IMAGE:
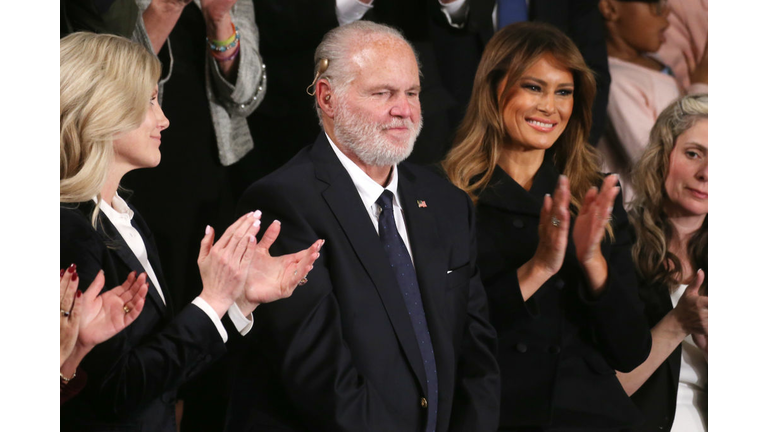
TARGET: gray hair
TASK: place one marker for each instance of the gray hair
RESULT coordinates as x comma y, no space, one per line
338,46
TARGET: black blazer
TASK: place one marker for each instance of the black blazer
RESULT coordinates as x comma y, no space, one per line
340,354
132,377
657,397
558,350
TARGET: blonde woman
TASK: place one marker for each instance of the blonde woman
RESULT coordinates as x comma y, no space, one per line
111,124
669,213
561,289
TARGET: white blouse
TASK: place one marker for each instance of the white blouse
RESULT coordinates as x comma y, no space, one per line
691,411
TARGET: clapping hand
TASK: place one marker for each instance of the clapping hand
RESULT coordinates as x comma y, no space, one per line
692,312
273,278
104,315
70,305
589,229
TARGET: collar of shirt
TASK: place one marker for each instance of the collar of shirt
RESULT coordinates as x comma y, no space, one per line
367,188
118,210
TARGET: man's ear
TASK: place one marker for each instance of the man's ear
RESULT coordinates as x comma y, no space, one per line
609,10
325,97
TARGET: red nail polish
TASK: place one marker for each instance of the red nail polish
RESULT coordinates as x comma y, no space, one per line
74,277
79,293
62,272
72,268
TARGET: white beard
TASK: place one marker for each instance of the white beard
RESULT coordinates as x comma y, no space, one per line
366,138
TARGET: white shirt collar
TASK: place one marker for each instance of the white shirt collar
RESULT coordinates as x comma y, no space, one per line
118,209
367,188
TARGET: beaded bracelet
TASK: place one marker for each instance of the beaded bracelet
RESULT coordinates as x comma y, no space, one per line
226,59
221,46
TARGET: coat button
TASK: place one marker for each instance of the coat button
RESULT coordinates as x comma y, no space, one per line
423,402
521,347
554,349
517,223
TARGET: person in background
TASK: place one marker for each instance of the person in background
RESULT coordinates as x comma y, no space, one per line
553,249
685,43
642,86
111,124
91,319
669,213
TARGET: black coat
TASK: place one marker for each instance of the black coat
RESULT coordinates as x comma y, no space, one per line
657,397
340,354
132,377
559,349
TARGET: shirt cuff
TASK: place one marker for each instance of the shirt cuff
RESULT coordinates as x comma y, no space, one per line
242,323
205,307
348,11
456,12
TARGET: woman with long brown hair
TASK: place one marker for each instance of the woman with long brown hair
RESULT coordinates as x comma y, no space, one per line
557,269
669,214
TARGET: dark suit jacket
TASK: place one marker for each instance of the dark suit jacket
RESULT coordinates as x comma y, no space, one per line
132,377
340,354
558,350
657,398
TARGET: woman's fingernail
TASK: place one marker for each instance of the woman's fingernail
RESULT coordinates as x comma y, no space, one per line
207,229
71,268
257,222
277,222
74,276
251,239
257,213
547,195
62,272
79,293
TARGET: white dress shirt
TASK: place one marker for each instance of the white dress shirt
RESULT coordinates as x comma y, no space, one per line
348,11
120,215
370,191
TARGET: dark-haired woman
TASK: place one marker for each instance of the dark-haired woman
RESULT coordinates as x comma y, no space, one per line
554,250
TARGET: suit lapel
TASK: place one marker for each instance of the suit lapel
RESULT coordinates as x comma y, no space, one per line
120,248
343,200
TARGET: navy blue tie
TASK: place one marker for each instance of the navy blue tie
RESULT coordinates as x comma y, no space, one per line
401,263
511,11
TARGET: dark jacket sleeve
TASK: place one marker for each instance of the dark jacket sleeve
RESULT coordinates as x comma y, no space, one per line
151,356
307,347
617,320
478,383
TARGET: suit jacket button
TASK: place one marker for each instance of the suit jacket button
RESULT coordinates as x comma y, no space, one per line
517,223
521,347
423,402
554,349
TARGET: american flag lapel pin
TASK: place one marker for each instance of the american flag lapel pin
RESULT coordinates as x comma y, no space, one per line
421,203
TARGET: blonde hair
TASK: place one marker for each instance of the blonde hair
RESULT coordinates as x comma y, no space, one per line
105,85
653,259
509,53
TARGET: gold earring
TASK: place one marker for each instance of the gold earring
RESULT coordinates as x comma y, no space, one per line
322,67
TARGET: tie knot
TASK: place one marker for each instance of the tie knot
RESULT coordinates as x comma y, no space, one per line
385,199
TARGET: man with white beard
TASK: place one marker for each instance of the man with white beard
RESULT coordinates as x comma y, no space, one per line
390,331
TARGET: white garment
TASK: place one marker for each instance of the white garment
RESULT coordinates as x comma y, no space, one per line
120,215
370,191
691,410
348,11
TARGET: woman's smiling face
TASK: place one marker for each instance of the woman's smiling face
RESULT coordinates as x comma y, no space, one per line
539,106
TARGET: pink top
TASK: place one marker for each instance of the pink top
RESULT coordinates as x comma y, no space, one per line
686,38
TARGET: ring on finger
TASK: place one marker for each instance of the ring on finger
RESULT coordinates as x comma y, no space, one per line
64,313
555,221
295,272
126,309
303,281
